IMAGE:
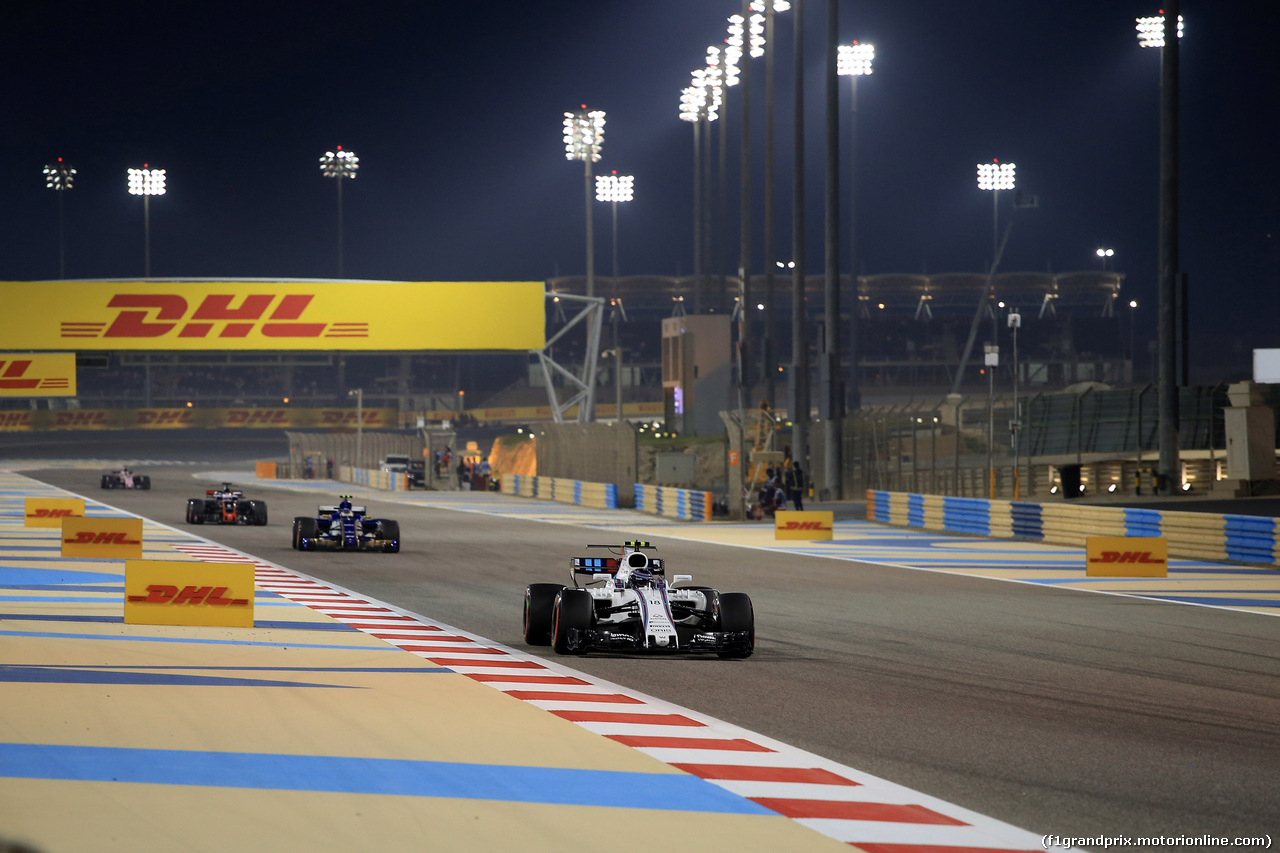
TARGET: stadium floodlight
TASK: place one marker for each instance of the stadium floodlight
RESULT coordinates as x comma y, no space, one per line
1105,253
615,188
1151,31
996,175
583,134
147,182
854,60
583,139
60,177
339,164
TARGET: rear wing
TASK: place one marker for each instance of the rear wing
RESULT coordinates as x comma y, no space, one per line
607,565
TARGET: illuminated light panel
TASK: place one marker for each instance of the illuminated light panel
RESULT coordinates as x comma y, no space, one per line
996,176
146,181
339,164
583,134
1151,31
854,60
615,188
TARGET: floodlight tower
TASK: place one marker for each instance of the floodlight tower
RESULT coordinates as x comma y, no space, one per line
60,177
854,61
1164,31
700,105
613,189
339,165
996,176
146,182
583,139
1104,255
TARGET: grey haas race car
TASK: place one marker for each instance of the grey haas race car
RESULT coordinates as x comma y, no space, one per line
226,505
344,527
623,603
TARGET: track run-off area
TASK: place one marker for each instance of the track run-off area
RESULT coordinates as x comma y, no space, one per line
910,692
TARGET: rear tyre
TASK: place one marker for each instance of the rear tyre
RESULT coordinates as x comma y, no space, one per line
574,609
737,614
258,513
539,604
305,532
390,530
295,537
143,482
106,481
195,511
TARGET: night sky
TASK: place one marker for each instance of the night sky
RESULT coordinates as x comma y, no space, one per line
455,109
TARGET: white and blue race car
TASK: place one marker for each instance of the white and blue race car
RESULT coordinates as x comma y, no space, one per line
344,527
623,603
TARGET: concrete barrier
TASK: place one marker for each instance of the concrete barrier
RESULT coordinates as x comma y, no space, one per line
562,490
684,504
1191,535
374,479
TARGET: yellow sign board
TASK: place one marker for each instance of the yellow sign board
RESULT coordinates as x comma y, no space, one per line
49,512
257,315
109,538
47,374
1126,556
173,592
809,525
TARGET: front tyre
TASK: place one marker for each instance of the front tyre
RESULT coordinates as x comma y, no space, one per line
195,511
737,614
257,513
539,605
305,532
574,608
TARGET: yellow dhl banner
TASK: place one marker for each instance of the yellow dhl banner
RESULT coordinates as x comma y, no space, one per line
273,315
49,512
1126,556
108,538
282,418
174,592
811,525
49,374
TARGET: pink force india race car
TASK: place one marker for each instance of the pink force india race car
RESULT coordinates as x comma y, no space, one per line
123,478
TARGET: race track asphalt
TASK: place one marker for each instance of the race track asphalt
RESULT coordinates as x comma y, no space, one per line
1054,710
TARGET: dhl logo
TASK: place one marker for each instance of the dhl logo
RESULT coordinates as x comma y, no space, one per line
250,417
173,417
52,513
805,525
340,417
167,594
154,315
15,419
75,419
13,377
1127,557
89,537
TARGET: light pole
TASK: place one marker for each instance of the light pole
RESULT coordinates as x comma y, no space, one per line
339,165
854,61
60,177
996,176
693,109
583,139
746,38
799,313
832,407
1163,32
613,189
358,393
146,182
1133,351
1015,425
1104,255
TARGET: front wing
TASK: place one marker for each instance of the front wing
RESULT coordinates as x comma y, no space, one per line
688,641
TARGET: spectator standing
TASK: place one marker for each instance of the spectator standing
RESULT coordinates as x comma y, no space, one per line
794,481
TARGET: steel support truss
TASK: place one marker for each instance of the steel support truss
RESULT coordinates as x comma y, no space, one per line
584,397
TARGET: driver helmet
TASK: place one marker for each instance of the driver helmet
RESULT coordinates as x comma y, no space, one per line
641,577
345,504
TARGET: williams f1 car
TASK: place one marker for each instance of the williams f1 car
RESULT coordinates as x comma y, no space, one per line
125,479
624,603
345,528
226,505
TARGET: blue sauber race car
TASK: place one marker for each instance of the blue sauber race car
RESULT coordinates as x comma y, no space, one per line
344,527
623,603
